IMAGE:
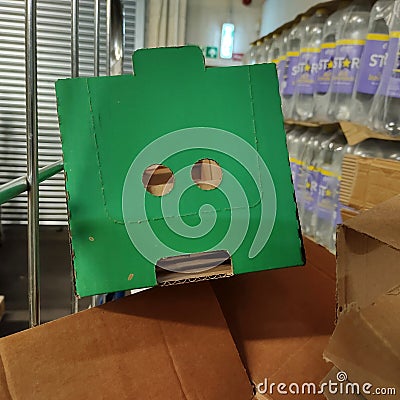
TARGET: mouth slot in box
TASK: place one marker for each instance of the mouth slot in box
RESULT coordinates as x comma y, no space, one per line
194,267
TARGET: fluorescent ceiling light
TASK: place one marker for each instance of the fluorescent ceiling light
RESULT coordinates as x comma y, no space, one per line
227,37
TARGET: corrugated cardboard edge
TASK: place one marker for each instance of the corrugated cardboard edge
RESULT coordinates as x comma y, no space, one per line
381,222
348,213
361,345
367,182
332,376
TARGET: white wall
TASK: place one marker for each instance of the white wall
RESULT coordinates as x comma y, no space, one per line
205,19
277,12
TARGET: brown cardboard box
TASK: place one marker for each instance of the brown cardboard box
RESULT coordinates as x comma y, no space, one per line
171,343
366,341
367,182
174,342
281,320
368,255
366,346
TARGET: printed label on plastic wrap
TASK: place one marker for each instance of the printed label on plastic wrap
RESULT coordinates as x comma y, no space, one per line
373,61
311,189
307,70
328,196
291,65
295,166
325,67
390,83
346,65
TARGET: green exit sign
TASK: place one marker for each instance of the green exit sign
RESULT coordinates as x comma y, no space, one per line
211,52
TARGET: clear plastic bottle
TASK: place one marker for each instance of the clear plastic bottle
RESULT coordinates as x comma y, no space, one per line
349,48
312,159
301,169
252,54
385,107
292,60
270,57
275,51
282,76
391,150
311,37
375,148
370,148
293,143
266,46
275,48
259,51
327,209
326,62
373,60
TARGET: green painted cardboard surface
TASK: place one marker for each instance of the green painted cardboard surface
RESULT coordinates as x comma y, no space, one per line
174,112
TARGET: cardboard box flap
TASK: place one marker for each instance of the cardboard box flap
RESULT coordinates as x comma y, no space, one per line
168,343
366,343
281,322
368,255
381,222
356,133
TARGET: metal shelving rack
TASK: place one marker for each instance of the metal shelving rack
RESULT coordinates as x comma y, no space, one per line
35,176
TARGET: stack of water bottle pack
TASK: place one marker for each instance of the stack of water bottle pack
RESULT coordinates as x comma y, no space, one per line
340,66
316,156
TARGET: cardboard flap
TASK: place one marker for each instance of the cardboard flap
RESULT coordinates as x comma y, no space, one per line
366,343
180,60
168,343
381,223
356,133
281,322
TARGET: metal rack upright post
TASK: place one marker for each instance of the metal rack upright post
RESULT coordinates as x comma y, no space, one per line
34,175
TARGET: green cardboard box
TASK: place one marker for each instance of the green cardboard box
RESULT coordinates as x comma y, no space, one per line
176,173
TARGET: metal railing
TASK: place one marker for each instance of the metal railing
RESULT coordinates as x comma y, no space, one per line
34,175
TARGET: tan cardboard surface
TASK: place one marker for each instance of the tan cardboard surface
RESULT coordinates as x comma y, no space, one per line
366,344
167,343
174,343
281,320
367,182
356,133
382,222
368,255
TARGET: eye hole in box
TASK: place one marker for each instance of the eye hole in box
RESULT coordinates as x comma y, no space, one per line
207,174
194,267
158,179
